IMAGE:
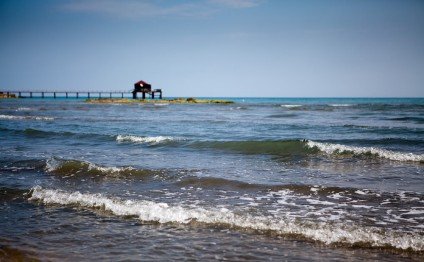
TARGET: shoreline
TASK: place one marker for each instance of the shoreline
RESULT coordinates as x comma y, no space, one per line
159,101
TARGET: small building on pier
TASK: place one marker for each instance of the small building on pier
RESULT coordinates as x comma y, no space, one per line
144,88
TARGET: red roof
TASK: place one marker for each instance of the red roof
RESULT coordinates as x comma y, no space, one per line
141,82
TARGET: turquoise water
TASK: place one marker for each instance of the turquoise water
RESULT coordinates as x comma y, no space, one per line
260,179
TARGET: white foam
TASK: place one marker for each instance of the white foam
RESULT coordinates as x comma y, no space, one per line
336,196
112,169
340,105
290,106
336,148
153,140
23,109
319,202
164,213
11,117
359,192
414,212
53,164
45,118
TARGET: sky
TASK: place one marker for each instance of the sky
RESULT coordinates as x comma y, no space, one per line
215,48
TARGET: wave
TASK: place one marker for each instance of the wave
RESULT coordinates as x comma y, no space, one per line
341,105
271,147
12,117
11,165
291,106
144,210
12,194
31,132
37,133
293,148
223,183
418,120
24,109
330,148
75,168
379,107
283,116
152,140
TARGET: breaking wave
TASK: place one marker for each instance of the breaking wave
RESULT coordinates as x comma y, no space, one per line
152,140
307,147
12,117
341,105
291,106
328,233
379,152
24,109
75,168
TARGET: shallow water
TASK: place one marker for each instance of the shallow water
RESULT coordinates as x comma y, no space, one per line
261,179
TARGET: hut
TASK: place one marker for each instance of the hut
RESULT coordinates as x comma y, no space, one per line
144,88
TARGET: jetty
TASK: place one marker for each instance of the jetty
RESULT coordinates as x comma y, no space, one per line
64,94
139,87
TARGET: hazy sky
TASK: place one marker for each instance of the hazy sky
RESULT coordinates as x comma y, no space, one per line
278,48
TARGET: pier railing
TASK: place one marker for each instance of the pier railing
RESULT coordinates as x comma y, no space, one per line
67,94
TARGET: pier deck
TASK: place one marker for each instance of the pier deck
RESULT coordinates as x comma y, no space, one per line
70,94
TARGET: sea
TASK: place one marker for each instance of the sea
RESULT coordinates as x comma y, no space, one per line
278,179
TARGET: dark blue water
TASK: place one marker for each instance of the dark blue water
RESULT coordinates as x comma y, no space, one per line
260,179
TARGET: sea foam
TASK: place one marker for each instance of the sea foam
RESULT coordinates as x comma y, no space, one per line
11,117
383,153
328,233
290,106
54,164
340,105
153,140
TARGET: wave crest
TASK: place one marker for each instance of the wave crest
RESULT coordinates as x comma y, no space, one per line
290,106
12,117
71,168
164,213
152,140
383,153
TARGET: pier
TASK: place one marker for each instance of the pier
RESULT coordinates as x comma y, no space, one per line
65,94
139,87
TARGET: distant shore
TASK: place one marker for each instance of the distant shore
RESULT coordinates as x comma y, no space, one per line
159,101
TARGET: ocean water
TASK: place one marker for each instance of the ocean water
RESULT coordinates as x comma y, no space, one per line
296,179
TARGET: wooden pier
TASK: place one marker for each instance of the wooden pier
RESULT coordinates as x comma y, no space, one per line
65,94
77,94
139,87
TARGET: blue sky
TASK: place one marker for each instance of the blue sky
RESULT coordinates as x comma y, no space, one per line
280,48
